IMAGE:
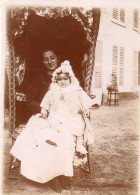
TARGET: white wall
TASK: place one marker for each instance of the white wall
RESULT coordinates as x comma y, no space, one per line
113,34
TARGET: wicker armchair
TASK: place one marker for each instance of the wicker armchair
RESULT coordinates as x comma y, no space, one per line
16,22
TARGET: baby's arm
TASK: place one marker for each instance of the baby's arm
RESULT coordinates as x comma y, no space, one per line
45,105
44,113
87,113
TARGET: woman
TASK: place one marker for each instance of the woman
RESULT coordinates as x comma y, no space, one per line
39,83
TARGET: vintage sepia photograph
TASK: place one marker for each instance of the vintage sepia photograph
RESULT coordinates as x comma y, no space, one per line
70,85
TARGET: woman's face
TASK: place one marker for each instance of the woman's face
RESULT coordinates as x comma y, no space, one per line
50,60
63,80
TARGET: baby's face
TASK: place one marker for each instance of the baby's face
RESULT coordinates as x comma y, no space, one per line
63,80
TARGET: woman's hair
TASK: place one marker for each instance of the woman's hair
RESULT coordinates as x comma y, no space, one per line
43,50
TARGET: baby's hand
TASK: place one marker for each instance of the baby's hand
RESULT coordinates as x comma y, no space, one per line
43,116
44,113
87,113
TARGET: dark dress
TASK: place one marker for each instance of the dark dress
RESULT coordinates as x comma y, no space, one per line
36,90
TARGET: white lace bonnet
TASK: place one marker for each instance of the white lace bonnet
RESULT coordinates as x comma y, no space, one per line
64,68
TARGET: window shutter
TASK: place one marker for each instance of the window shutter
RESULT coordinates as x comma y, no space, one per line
99,52
115,60
135,71
122,15
139,23
118,16
118,64
97,76
115,13
98,63
136,19
139,68
121,71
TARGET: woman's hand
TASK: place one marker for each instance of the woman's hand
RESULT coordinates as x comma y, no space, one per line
44,113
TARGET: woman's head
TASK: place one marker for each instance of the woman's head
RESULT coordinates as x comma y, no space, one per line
50,60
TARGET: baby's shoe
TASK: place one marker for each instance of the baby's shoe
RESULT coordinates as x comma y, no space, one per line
81,149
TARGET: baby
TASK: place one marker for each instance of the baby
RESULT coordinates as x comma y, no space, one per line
62,105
